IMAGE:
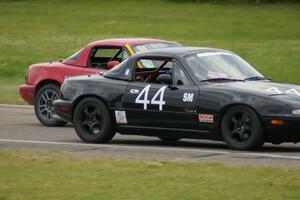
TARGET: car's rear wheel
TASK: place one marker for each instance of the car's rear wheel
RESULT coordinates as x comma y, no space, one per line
169,139
43,105
242,129
92,121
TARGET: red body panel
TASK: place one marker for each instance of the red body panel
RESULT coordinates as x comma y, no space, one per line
27,93
54,71
57,71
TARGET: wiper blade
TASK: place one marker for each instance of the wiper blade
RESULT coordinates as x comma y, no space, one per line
221,79
256,78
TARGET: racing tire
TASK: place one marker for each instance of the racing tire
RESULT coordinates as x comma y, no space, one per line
92,121
242,129
43,105
169,139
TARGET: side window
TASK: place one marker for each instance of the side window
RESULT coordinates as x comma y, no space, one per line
154,70
161,71
179,76
100,56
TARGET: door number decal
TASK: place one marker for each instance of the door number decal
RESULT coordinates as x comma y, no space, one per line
158,98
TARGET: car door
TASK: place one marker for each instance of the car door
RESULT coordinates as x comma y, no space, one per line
161,105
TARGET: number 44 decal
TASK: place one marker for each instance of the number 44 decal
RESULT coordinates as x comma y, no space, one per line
158,98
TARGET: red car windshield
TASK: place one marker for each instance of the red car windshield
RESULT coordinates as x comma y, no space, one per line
149,46
136,48
75,55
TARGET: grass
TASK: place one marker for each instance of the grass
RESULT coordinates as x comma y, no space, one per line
31,31
9,91
27,175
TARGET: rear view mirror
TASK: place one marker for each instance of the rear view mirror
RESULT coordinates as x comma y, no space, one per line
165,79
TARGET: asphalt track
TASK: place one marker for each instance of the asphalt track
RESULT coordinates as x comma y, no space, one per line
20,130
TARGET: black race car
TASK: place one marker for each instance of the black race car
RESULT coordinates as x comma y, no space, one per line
183,92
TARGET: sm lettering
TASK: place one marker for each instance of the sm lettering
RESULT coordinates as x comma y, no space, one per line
188,97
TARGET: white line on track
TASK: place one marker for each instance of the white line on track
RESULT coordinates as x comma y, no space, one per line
16,106
266,155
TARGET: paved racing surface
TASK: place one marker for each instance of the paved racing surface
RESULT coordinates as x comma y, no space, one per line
19,129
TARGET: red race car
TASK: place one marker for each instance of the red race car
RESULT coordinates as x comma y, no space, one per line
43,80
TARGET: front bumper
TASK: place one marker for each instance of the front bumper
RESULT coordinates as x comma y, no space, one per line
63,109
288,132
27,93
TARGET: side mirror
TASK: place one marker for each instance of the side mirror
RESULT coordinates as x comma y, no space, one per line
164,78
111,64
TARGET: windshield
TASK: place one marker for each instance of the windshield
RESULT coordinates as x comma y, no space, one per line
149,46
75,55
220,66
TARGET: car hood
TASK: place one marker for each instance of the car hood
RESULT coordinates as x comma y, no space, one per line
281,91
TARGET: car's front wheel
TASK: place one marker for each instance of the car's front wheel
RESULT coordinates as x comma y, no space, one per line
242,129
92,121
43,105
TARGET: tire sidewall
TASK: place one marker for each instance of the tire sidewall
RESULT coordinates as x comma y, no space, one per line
107,131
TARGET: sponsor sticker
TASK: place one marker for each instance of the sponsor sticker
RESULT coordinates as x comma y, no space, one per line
205,54
134,91
120,117
206,118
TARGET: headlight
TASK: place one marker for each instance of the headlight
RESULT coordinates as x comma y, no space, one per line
296,112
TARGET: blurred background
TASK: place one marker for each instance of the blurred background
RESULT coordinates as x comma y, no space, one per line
264,32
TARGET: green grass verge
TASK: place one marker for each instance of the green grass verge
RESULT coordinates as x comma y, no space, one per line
267,35
27,175
9,90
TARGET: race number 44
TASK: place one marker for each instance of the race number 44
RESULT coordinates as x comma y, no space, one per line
158,98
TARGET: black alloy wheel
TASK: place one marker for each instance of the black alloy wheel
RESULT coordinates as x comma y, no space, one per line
92,121
241,129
